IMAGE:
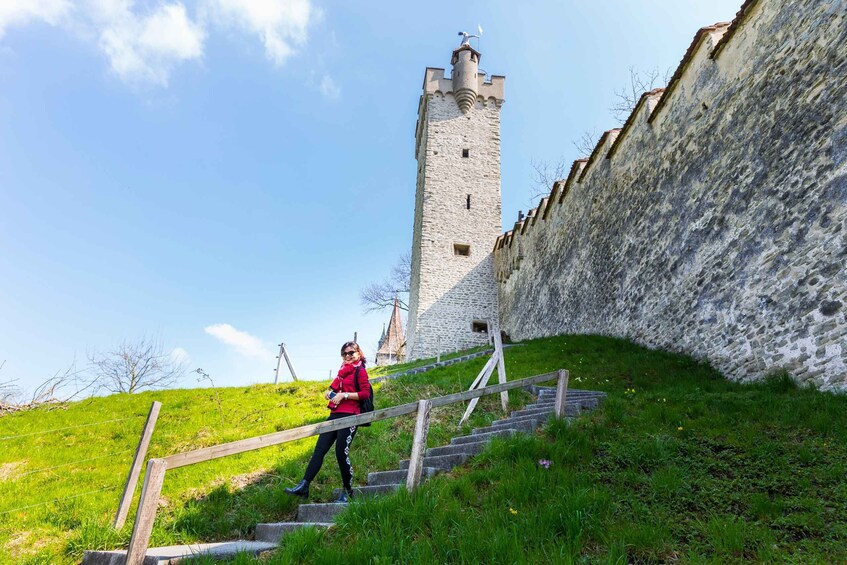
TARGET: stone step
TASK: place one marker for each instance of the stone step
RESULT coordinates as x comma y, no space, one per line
542,404
525,426
569,396
273,532
179,553
540,418
592,398
531,411
371,490
444,462
548,391
320,512
572,410
475,438
397,477
584,403
469,448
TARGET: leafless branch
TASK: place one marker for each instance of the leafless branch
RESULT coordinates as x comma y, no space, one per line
134,366
56,391
380,295
544,174
586,143
204,376
639,83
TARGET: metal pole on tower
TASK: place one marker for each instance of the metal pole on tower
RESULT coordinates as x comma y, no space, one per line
479,39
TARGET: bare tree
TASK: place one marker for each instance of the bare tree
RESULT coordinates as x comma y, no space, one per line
544,174
379,295
8,390
57,390
587,142
639,83
134,366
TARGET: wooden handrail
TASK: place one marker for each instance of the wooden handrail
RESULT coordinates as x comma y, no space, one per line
276,438
156,468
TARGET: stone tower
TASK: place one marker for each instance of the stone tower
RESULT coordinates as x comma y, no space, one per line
453,294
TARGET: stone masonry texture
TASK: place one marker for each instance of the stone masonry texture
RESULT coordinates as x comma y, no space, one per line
717,224
449,291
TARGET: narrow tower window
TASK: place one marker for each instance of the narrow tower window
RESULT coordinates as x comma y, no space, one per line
461,250
469,201
466,153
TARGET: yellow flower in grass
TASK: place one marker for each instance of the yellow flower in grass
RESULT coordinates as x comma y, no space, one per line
679,429
513,511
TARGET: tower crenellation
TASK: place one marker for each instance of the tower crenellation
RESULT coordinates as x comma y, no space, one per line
453,295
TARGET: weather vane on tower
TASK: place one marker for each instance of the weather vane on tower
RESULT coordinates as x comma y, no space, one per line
466,37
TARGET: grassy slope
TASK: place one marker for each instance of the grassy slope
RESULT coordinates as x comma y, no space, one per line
678,465
215,500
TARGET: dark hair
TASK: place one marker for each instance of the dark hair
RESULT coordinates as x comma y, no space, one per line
355,346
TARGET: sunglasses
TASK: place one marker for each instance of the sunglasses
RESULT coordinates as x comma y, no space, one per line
346,353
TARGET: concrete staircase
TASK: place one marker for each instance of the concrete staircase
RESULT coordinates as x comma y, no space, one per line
322,515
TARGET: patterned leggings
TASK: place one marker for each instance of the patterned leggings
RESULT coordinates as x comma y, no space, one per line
342,438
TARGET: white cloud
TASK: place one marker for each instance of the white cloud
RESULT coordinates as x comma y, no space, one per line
281,25
146,48
329,88
244,343
180,355
145,40
19,12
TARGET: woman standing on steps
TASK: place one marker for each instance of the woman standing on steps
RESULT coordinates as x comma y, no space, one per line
346,390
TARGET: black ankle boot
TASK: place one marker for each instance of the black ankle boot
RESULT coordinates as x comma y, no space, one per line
301,489
345,496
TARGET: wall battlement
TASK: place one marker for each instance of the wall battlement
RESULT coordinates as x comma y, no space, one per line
714,222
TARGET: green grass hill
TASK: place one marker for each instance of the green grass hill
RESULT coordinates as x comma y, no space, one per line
679,464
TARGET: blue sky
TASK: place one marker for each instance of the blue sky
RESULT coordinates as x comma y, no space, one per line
228,174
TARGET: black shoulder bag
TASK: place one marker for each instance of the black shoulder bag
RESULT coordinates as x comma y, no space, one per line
367,404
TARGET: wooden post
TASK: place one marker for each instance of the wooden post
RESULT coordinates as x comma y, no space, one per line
288,362
561,394
137,462
501,367
413,479
278,363
146,513
480,381
486,369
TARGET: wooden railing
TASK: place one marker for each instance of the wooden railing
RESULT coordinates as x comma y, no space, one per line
156,468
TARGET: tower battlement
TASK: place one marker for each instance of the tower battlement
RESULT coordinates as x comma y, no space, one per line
494,87
490,91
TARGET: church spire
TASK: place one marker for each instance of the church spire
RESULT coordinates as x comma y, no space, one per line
393,346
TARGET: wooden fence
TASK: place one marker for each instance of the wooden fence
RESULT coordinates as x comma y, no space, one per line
156,468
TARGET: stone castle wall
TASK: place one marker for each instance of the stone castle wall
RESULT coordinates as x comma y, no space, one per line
715,221
450,291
